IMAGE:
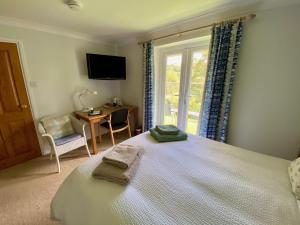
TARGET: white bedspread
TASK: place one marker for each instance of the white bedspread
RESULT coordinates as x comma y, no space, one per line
190,182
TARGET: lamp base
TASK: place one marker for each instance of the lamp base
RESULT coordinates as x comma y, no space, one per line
88,109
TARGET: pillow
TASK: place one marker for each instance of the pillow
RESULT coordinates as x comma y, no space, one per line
294,172
58,126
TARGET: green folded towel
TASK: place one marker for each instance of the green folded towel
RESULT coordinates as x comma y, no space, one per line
181,136
167,129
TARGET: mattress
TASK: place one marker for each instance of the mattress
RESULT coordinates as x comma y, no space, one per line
197,181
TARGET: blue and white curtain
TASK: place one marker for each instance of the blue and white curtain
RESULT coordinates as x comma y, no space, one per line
221,71
148,86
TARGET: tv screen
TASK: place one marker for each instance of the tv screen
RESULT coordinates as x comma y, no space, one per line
105,67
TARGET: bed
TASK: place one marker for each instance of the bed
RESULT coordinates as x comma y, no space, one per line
198,181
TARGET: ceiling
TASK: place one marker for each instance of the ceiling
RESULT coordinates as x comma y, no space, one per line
113,19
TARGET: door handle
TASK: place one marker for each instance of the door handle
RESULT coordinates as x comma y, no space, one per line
23,106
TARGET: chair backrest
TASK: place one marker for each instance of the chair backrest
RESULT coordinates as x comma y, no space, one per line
119,116
58,126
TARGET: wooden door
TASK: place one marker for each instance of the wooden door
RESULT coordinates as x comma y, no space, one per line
18,138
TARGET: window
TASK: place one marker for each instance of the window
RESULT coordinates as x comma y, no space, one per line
180,82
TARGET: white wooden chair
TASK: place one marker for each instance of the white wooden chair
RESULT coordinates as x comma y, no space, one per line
64,134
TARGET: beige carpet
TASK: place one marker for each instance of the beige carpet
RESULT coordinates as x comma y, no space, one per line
26,190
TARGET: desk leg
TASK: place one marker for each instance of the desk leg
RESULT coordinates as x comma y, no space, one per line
93,138
136,119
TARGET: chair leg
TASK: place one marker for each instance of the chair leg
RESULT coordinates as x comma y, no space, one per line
100,135
111,133
50,155
129,132
57,161
87,149
112,137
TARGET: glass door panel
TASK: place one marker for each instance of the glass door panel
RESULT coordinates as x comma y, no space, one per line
172,88
180,80
196,89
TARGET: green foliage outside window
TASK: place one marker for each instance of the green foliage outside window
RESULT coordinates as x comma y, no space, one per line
197,83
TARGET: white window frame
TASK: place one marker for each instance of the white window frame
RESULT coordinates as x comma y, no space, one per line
186,48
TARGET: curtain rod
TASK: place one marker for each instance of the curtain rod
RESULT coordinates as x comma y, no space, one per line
242,18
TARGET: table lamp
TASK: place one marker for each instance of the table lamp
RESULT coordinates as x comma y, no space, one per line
83,93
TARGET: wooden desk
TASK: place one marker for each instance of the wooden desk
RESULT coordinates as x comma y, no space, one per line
92,120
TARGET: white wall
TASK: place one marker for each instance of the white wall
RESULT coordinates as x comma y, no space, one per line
55,68
132,88
57,65
265,114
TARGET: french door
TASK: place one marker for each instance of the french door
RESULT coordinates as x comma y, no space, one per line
180,83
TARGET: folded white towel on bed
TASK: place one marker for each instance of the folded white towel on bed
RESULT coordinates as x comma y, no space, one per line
122,155
106,171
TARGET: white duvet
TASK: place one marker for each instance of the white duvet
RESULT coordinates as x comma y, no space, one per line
190,182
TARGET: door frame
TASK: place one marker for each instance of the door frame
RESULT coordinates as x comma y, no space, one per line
24,69
186,49
162,80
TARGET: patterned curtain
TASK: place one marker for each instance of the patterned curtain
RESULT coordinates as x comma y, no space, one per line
221,71
148,85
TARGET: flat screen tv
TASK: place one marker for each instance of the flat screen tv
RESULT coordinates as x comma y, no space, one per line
106,67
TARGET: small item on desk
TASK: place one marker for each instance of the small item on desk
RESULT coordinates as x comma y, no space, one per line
94,112
112,173
109,105
88,109
116,101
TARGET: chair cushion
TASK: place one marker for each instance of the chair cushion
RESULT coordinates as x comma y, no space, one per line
58,126
114,127
66,139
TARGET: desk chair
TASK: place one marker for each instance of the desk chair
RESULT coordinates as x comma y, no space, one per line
116,122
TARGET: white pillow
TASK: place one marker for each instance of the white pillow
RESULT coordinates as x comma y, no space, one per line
294,172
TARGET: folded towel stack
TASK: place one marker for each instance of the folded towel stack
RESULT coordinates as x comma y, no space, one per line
166,133
119,165
167,129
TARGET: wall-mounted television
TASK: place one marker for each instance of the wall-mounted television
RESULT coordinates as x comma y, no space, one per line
106,67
